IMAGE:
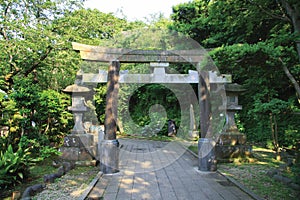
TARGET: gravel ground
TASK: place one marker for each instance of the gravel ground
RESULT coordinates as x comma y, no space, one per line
69,186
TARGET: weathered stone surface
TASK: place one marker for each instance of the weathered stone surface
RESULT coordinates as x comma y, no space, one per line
232,139
78,147
50,178
71,141
86,163
84,154
206,153
31,190
109,156
229,151
69,153
282,179
78,140
68,166
193,134
128,55
61,171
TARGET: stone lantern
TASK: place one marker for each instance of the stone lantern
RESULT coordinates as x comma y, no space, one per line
231,143
78,107
232,93
78,145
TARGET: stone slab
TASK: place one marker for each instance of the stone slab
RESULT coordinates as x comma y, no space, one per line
75,154
78,140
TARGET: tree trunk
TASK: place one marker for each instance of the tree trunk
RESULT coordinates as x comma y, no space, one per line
205,111
110,122
292,10
292,79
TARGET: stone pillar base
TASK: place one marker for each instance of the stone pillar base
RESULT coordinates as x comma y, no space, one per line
206,153
109,156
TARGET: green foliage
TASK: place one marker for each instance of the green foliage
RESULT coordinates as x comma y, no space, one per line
100,102
269,91
47,152
251,38
217,23
14,165
90,26
30,43
52,116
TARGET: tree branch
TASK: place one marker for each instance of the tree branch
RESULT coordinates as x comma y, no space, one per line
292,79
284,17
36,64
2,31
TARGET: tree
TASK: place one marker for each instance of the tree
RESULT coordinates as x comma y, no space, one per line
217,23
255,41
269,102
30,46
35,41
292,15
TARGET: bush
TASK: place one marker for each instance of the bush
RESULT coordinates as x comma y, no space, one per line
14,166
37,148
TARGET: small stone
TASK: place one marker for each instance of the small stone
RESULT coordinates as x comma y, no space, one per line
49,178
67,166
31,190
61,171
282,179
272,172
295,186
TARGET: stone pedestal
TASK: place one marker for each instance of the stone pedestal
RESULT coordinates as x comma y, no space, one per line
232,145
232,139
78,147
226,153
206,153
109,156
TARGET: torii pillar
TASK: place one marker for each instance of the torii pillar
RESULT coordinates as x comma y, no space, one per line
109,147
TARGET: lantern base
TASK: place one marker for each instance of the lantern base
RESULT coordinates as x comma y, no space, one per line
78,147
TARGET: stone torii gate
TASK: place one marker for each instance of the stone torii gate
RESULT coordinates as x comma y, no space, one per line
159,60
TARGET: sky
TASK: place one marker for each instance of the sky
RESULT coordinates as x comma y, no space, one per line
134,9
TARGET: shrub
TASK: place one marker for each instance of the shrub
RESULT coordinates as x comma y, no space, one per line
14,166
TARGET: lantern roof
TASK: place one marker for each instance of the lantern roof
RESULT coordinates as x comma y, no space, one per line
76,89
234,87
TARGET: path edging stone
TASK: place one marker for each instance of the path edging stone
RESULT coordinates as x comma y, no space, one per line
91,186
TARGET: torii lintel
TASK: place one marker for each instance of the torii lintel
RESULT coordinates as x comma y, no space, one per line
104,54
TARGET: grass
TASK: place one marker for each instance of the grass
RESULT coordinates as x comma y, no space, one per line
253,174
254,177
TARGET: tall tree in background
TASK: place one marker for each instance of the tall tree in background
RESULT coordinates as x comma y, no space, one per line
255,41
37,61
36,36
29,43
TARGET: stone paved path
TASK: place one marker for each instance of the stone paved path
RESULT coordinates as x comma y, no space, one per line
162,171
